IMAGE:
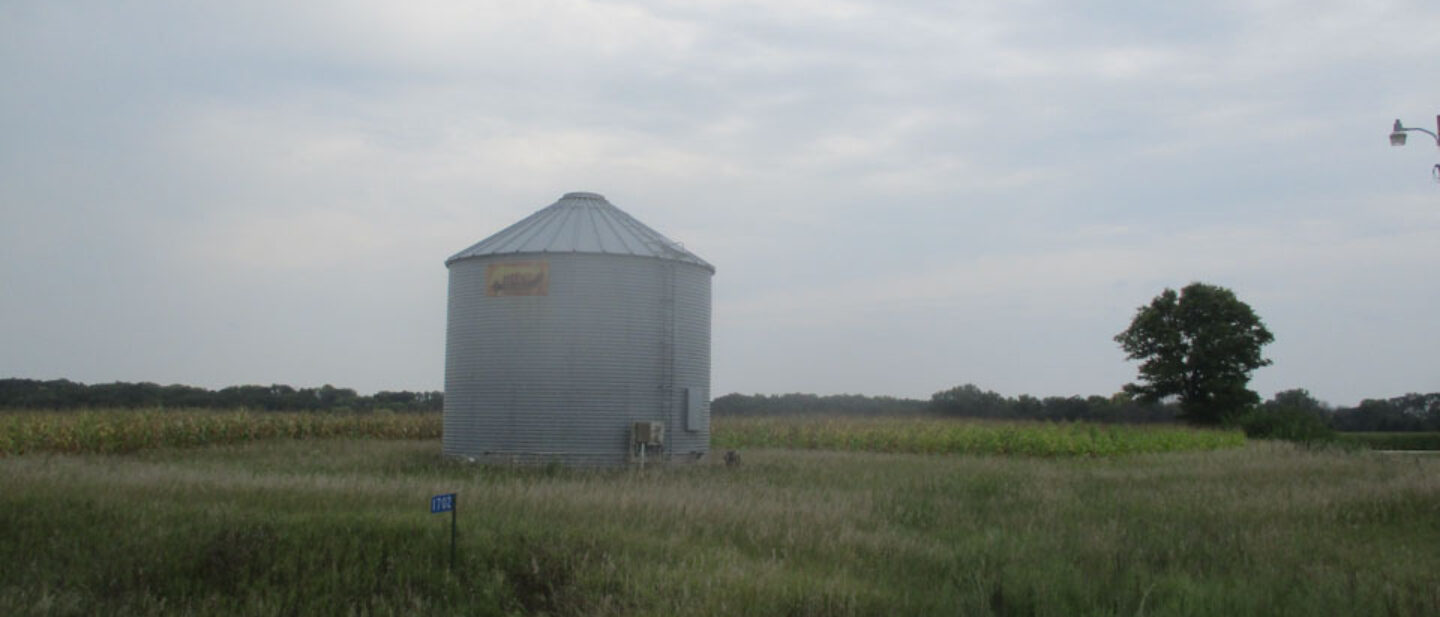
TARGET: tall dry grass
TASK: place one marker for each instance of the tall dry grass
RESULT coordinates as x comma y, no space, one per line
341,526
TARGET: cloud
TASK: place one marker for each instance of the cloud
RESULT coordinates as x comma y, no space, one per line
972,192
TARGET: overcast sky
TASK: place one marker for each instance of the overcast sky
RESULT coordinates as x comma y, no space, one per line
899,196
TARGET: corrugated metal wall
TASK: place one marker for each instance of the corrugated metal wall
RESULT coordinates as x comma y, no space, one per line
560,377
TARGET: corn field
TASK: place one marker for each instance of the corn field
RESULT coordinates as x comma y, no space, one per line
122,431
953,436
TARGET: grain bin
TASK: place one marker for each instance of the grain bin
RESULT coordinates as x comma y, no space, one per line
580,336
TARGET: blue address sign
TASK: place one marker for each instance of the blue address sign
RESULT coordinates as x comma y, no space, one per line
442,503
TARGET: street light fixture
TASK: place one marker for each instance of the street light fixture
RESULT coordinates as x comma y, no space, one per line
1397,138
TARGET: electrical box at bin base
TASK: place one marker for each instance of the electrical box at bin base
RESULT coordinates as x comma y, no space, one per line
647,439
648,433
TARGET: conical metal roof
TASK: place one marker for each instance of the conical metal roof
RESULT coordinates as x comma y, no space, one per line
581,223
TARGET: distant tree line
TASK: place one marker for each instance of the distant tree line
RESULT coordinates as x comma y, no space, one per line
1411,412
65,394
969,401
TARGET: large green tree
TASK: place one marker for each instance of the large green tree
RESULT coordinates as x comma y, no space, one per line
1199,345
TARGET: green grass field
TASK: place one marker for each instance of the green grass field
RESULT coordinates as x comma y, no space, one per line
341,526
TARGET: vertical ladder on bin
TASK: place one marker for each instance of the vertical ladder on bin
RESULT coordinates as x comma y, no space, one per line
667,342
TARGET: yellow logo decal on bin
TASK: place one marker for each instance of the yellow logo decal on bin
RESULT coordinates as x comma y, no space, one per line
518,278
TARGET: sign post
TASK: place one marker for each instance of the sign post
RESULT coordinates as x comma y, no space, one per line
446,503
